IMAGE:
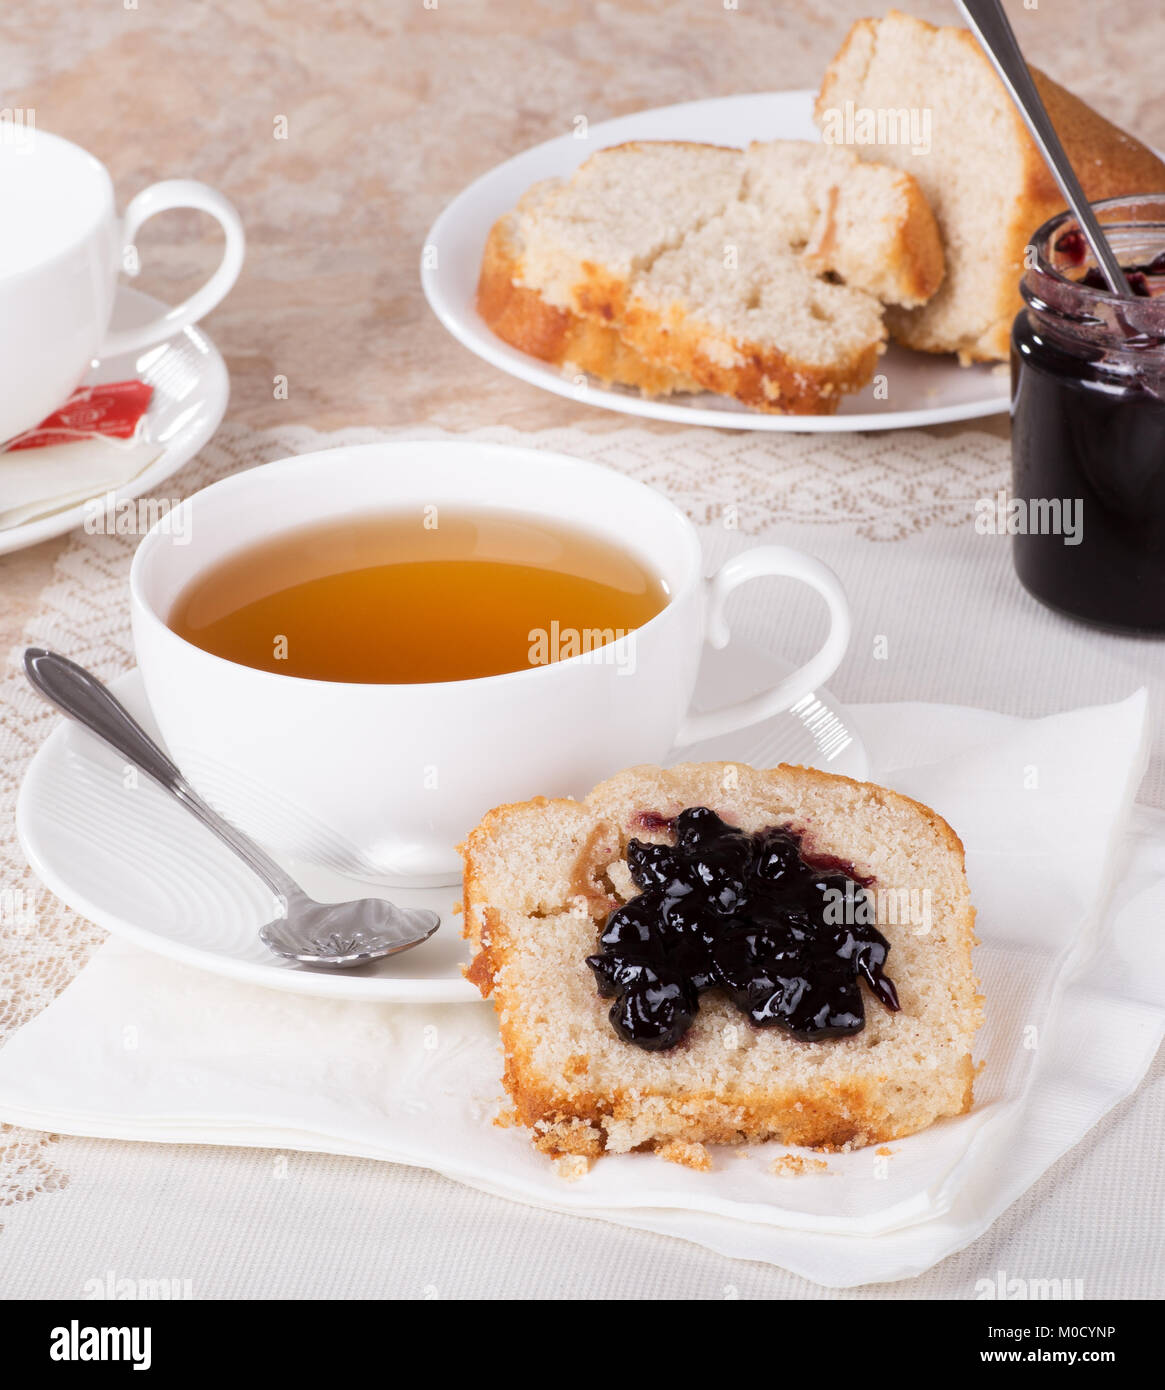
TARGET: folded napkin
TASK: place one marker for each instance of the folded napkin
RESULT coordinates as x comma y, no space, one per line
1070,890
95,444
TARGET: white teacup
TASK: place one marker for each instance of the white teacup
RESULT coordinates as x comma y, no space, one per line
382,781
61,249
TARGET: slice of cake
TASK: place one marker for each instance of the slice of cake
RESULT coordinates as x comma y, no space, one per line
866,224
928,101
522,318
737,310
671,266
586,239
717,954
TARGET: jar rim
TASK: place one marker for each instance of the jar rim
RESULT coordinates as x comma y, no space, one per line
1046,287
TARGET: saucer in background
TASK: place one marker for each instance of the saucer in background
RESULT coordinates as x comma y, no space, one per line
191,389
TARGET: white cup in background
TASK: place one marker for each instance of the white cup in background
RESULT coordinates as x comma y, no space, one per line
61,250
382,781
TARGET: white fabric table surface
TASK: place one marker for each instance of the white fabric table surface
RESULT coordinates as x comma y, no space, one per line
938,616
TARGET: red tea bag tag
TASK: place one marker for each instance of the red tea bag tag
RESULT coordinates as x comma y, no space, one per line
111,408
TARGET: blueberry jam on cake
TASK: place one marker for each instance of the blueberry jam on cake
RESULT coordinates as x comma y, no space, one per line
788,941
719,954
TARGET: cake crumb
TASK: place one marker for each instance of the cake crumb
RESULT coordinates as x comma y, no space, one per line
458,909
796,1165
569,1136
688,1155
571,1167
741,1153
506,1117
859,1141
886,1152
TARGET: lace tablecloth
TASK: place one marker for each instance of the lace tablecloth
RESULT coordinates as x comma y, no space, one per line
938,616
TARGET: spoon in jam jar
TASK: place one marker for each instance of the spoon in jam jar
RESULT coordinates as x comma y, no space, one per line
331,935
990,26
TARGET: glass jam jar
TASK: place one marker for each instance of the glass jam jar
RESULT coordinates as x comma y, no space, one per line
1088,422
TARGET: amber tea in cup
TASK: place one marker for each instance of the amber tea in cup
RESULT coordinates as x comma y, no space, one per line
424,596
379,769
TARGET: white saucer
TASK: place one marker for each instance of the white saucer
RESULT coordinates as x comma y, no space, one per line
922,389
191,389
135,863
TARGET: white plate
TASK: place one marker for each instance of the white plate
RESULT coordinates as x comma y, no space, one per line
191,389
923,389
131,860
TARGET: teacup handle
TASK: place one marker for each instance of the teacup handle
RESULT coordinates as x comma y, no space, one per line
162,197
756,564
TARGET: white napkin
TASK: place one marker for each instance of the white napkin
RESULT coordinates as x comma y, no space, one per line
37,482
1074,976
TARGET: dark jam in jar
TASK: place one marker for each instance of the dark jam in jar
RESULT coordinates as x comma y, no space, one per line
787,937
1088,422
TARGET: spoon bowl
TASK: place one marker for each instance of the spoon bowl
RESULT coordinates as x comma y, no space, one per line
339,935
335,936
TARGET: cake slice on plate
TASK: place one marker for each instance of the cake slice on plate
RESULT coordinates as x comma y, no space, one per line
759,274
979,168
521,317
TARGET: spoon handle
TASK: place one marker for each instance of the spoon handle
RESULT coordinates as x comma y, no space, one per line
990,26
79,694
